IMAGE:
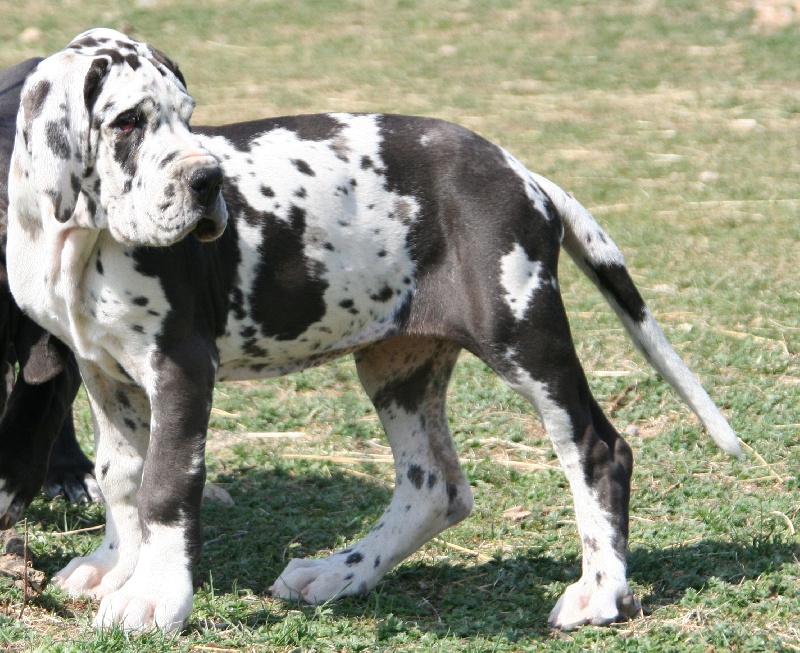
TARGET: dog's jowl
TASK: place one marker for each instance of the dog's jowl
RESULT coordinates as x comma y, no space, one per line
401,240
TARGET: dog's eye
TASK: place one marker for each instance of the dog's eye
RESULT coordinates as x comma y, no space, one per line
127,122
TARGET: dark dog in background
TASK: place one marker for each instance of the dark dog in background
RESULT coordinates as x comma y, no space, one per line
37,403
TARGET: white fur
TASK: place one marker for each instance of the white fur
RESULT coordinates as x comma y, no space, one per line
520,277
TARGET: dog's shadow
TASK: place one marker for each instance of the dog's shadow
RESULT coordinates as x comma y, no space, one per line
280,516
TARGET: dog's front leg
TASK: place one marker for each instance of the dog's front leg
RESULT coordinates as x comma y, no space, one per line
121,415
159,592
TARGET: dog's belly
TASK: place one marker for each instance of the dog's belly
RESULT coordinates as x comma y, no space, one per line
256,357
283,321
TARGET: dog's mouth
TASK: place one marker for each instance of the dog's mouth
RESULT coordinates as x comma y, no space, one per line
208,230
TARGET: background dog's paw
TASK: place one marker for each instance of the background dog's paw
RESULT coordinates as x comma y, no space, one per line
318,581
75,487
589,603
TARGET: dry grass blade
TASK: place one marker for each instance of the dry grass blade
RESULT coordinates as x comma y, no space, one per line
462,549
88,529
763,462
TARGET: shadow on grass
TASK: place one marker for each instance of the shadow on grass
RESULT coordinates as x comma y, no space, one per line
674,570
282,515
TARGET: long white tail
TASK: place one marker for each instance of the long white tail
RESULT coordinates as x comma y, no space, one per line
600,259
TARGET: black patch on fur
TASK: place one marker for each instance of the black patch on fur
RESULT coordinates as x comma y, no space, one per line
354,559
237,302
92,83
416,476
452,492
384,295
122,399
407,392
57,140
303,167
133,60
141,301
266,191
126,153
169,158
319,127
33,101
98,265
287,295
616,281
112,53
85,42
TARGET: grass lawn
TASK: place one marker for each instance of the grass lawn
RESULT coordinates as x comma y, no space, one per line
677,124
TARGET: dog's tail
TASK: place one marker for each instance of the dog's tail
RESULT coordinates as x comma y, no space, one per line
601,260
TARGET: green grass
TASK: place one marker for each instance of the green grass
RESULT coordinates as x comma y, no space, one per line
677,124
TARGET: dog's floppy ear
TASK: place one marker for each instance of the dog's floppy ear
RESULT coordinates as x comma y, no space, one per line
40,354
54,123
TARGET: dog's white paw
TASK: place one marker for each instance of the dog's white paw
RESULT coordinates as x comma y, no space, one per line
145,606
318,581
599,603
92,576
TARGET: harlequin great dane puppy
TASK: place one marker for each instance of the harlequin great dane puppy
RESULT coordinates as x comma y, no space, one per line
401,240
35,405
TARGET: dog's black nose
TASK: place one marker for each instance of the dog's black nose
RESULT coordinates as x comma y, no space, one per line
206,184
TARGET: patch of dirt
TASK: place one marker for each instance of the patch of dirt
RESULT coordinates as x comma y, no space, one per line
769,15
17,562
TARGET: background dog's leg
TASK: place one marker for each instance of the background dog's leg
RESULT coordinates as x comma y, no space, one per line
33,415
71,473
121,426
406,378
541,364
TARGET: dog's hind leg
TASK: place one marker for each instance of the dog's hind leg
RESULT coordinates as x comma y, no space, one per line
539,361
406,379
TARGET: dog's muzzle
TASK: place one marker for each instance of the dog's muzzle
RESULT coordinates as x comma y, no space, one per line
206,185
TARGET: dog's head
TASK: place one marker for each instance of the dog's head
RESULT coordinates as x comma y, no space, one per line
103,127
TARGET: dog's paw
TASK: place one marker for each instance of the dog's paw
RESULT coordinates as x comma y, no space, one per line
91,576
318,581
599,604
75,487
146,606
